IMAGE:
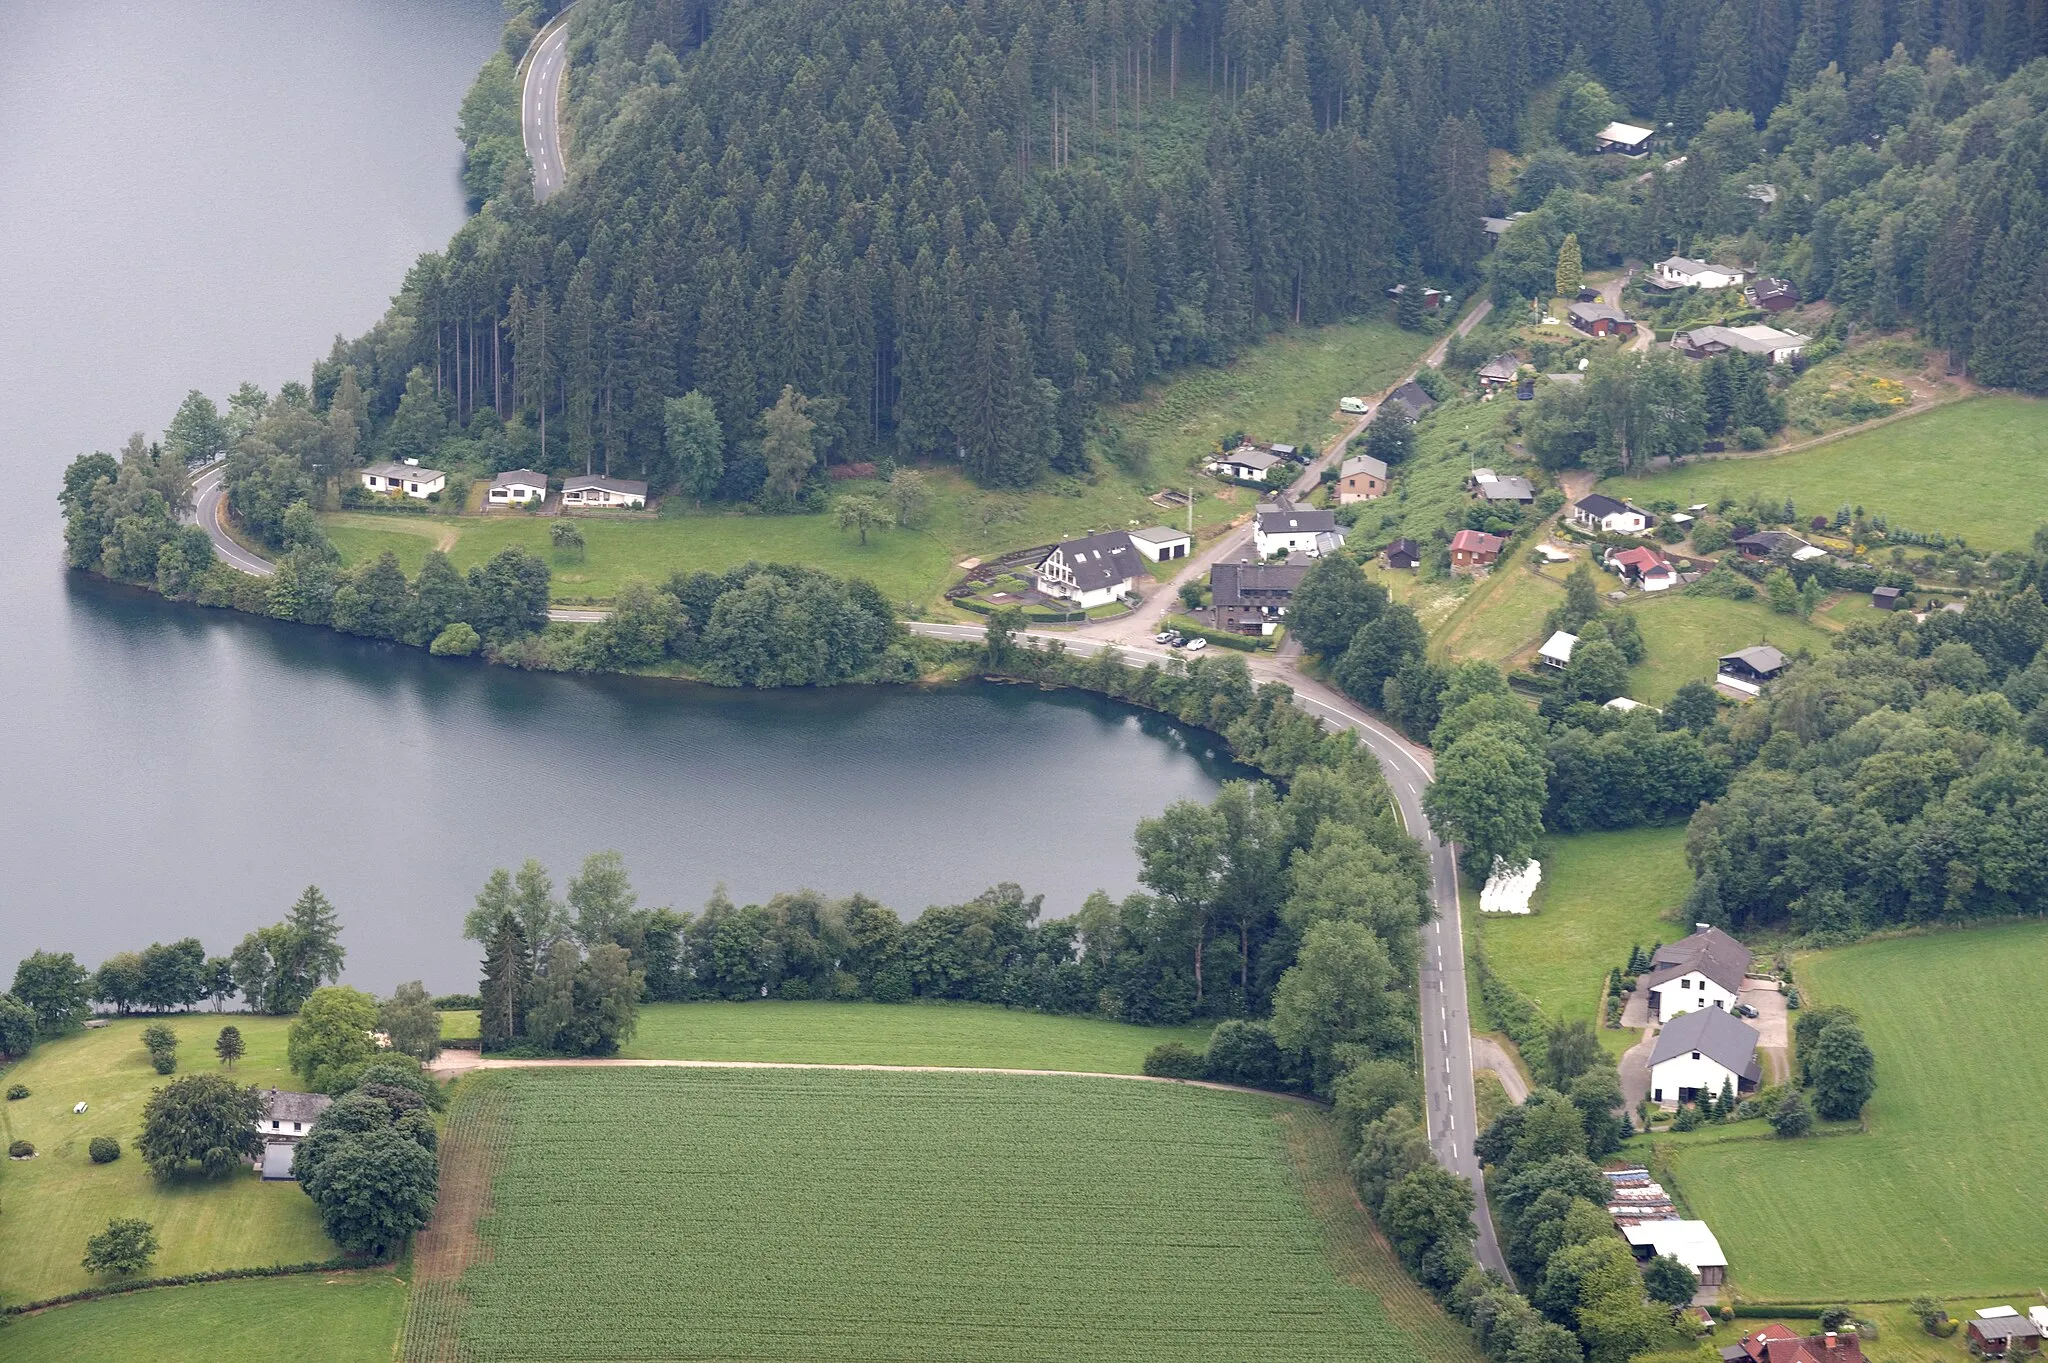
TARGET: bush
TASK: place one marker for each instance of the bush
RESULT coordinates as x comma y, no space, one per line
1244,1053
20,1150
1792,1118
1751,437
164,1063
458,640
1173,1060
16,1091
104,1149
1688,1119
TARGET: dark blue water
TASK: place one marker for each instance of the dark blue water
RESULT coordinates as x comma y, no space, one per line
196,194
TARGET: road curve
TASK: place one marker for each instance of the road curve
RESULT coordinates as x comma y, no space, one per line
208,504
540,99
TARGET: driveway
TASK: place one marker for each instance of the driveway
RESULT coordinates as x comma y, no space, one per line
1774,1029
1635,1072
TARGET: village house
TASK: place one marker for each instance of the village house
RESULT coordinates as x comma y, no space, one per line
409,479
1777,1344
1598,511
2000,1332
1704,970
1251,598
1692,1243
287,1119
1771,294
1092,571
1643,566
1473,550
1745,671
1246,464
1496,228
1557,650
1361,479
1499,372
1402,553
1162,545
1314,533
517,487
1489,486
1777,346
1624,139
1412,397
1600,319
1679,272
1700,1053
596,490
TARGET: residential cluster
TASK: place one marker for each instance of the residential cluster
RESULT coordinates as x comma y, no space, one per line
512,488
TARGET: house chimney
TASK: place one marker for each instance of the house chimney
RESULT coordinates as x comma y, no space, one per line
1831,1341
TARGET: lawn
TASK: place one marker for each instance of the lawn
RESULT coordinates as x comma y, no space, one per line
779,1215
897,1034
336,1318
1944,1192
1946,470
1602,893
1501,617
59,1199
1684,636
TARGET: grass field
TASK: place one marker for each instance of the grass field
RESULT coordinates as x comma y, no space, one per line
1948,469
56,1201
336,1318
1503,616
774,1215
892,1034
1944,1192
1602,893
1684,636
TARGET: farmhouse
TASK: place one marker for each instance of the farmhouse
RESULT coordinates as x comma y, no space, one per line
1557,650
1361,479
1704,970
597,490
1689,1242
1643,566
1499,372
289,1116
1771,294
1413,398
1678,272
517,487
1297,532
1600,319
2000,1332
1474,549
410,479
1246,463
1402,553
1160,544
1624,139
1598,511
1704,342
1700,1053
1250,598
1092,571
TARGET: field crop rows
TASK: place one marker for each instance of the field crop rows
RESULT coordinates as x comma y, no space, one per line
776,1215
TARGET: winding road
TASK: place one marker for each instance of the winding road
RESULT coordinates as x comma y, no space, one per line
208,502
540,98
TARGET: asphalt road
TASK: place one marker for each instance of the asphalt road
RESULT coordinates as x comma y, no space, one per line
206,509
539,102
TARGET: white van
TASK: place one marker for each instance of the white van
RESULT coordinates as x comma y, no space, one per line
1355,406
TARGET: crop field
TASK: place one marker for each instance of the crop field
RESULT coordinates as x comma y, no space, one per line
56,1201
335,1318
897,1034
1946,470
1944,1191
664,1214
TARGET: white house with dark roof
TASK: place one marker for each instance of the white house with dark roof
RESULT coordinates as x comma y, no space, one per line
517,487
1779,347
1700,1053
1246,463
1598,511
287,1116
1297,532
1681,272
1624,138
592,489
1704,970
409,479
1092,571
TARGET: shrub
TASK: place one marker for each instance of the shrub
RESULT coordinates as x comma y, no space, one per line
104,1149
20,1150
16,1091
458,640
125,1246
1792,1118
892,984
455,1003
1688,1119
1173,1060
1751,437
164,1064
1243,1053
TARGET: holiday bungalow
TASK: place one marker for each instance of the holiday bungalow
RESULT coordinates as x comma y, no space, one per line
1474,550
1704,970
1432,299
1681,272
1251,598
2000,1332
1744,672
1314,533
1489,486
1499,372
517,487
596,490
1160,544
1772,344
1361,479
1643,566
1413,398
1700,1053
1402,553
1600,319
1885,598
408,479
1598,511
1092,571
1771,294
1246,464
1557,650
1624,139
1766,544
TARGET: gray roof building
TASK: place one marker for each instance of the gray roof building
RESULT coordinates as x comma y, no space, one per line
1364,463
1412,396
1710,952
1098,561
1508,489
1297,522
520,478
625,487
1760,661
1716,1034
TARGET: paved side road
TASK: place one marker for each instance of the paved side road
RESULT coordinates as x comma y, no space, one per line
207,499
539,104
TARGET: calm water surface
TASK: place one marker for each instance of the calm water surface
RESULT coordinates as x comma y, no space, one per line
195,194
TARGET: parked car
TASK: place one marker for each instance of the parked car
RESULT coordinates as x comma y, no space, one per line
1743,1010
1165,636
1196,644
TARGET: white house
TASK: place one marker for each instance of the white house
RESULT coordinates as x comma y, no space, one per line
1296,532
1704,970
597,490
1557,649
1092,571
517,487
1246,463
410,479
1689,1242
1625,138
1679,272
1161,544
287,1117
1598,511
1705,342
1701,1053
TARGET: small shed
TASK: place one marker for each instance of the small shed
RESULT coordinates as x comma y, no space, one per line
1161,544
1885,598
277,1162
1557,649
1402,553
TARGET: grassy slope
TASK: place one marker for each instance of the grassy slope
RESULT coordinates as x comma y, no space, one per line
1684,635
877,1034
1944,1192
1283,389
344,1318
1431,484
56,1201
1602,894
766,1214
1503,616
1948,470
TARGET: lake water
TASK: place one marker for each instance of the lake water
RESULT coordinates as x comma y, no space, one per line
196,194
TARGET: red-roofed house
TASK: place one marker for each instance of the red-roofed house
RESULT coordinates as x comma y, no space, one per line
1643,566
1472,549
1776,1344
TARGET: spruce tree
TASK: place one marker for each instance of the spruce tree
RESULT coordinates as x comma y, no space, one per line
503,990
1570,268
